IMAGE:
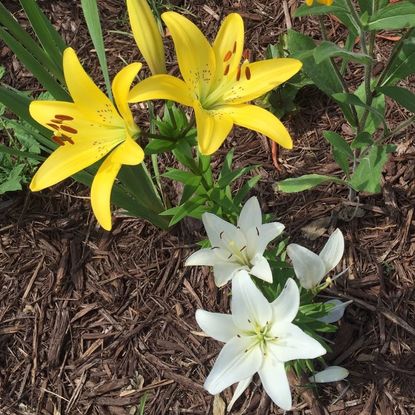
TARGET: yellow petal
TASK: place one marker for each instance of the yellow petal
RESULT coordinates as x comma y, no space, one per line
121,87
194,54
48,112
69,159
326,2
147,35
161,87
309,2
86,95
258,119
128,152
212,129
228,45
257,78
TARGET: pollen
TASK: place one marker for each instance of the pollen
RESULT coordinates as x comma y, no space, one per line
228,55
63,117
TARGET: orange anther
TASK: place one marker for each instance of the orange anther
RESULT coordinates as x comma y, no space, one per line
246,54
248,73
58,140
69,129
238,74
64,117
227,56
54,126
68,139
226,70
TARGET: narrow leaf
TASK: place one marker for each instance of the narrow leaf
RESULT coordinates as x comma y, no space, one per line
308,181
394,16
328,50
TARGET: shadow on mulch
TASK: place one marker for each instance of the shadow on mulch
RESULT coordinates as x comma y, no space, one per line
92,321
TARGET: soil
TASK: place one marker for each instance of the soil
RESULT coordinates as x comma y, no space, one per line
91,321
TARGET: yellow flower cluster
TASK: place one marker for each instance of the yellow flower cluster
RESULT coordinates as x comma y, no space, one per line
218,82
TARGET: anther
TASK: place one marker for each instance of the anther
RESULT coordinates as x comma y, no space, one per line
249,321
226,70
68,139
245,54
64,117
238,74
228,55
57,140
54,126
248,73
257,231
244,247
230,256
221,234
69,129
234,47
238,335
57,121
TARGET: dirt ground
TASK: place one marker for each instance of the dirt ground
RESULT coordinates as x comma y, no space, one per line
91,321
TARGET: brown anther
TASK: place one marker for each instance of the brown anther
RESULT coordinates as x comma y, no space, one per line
56,121
221,234
54,126
226,70
257,230
228,55
246,54
248,73
67,138
64,117
234,47
230,256
69,129
238,74
57,140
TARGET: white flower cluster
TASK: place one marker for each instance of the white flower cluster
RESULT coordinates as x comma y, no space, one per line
259,336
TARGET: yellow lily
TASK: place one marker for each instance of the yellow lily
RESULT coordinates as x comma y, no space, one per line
147,35
325,2
87,130
216,85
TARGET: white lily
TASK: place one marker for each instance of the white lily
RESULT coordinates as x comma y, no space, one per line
330,374
259,337
311,268
336,313
240,247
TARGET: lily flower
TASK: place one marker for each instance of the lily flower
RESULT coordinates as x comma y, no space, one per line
217,85
330,374
88,129
259,337
147,35
240,247
325,2
311,268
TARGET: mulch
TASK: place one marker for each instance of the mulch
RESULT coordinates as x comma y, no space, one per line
91,321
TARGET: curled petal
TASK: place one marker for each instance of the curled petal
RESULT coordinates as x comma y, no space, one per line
337,312
240,389
333,250
330,374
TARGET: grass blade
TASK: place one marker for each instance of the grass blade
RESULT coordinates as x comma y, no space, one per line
91,15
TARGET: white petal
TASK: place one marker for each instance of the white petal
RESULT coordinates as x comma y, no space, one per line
267,233
292,343
261,269
275,382
236,362
205,256
216,325
224,272
336,313
330,374
251,215
217,229
249,306
242,385
332,252
285,306
308,267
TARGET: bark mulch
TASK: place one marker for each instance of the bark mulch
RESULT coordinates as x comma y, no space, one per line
91,321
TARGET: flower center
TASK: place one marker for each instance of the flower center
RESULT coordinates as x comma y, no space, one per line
236,253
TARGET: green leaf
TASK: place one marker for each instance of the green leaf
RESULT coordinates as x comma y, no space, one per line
12,181
156,146
402,96
341,150
91,14
403,63
318,10
245,189
323,74
362,140
185,177
328,50
228,178
394,16
308,181
367,176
